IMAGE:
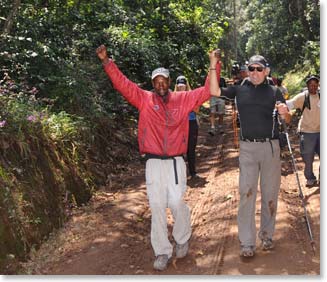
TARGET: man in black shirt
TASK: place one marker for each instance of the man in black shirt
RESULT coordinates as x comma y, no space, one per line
257,105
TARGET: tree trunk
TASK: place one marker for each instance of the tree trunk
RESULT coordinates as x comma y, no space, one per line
10,19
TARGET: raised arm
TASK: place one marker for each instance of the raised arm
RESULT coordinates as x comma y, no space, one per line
127,88
214,57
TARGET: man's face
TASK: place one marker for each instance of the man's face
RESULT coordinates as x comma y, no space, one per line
313,86
257,73
161,85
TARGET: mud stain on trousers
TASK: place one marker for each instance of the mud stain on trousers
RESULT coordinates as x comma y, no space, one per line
271,207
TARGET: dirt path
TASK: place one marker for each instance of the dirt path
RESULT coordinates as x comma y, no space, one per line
111,235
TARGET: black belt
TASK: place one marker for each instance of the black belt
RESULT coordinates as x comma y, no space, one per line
256,139
152,156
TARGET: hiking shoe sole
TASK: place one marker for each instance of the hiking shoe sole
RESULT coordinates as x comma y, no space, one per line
247,252
161,262
310,183
181,250
267,244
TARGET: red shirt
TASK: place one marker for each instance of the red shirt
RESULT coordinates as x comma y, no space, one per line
163,126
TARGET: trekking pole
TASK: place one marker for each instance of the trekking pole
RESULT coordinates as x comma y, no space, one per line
312,243
234,119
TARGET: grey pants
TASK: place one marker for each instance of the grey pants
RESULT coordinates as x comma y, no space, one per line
309,146
258,160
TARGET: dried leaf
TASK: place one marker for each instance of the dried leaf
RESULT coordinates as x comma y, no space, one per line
228,197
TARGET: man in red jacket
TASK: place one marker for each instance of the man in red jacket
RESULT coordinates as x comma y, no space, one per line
162,136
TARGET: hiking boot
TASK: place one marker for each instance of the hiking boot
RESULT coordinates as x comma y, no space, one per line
267,244
161,262
194,176
310,182
247,251
181,250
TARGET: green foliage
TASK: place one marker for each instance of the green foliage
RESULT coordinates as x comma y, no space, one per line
3,174
52,43
62,126
57,107
285,32
294,81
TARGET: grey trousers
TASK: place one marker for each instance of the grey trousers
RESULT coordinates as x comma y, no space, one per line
163,192
309,146
258,160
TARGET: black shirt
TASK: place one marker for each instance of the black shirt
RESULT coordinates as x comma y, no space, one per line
256,108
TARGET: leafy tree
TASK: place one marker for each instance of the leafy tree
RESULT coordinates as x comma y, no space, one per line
282,31
50,44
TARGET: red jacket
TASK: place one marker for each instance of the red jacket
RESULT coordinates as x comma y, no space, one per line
163,127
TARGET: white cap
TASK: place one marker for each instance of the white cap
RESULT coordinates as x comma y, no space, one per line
160,71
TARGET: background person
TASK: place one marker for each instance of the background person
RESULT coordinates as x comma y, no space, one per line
282,88
243,73
182,84
217,106
308,102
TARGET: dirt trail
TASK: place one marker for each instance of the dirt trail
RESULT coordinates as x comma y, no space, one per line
111,235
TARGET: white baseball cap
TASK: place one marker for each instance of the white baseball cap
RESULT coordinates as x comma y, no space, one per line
160,71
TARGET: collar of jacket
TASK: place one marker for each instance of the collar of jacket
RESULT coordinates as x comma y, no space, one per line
164,98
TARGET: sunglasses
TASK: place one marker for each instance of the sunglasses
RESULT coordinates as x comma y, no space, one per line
259,69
